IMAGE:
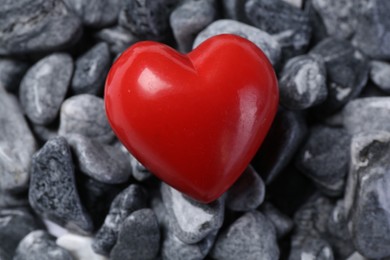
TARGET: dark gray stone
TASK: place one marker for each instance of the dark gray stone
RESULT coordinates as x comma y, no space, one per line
12,200
188,19
117,38
380,74
11,72
263,40
17,144
139,237
36,26
367,114
282,223
91,70
85,114
44,87
98,13
347,72
53,192
247,193
234,9
104,163
191,220
252,236
139,172
367,195
129,200
324,158
40,245
302,82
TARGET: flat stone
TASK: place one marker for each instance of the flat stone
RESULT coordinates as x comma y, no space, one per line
380,74
139,237
252,236
53,192
17,144
39,245
91,70
191,220
129,200
247,193
11,72
37,26
282,223
324,158
302,82
85,114
263,40
189,18
79,246
44,87
117,38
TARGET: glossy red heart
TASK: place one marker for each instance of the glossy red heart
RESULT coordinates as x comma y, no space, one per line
193,120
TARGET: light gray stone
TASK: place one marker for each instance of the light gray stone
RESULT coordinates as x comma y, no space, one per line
380,74
117,37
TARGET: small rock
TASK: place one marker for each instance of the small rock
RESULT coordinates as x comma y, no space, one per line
37,26
282,223
302,82
91,70
310,247
45,132
139,172
79,246
325,158
139,237
54,229
263,40
356,256
117,38
188,19
85,114
44,87
11,72
252,236
296,3
380,74
247,193
39,245
192,221
129,200
235,10
53,192
17,144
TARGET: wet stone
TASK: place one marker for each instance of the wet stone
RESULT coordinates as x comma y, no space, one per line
117,38
380,74
263,40
53,192
37,26
91,70
44,87
11,72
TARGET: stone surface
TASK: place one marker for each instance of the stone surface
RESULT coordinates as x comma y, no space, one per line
53,192
117,38
252,236
324,158
44,87
36,26
91,70
11,72
263,40
17,144
39,245
282,223
234,9
104,163
139,172
380,74
302,82
247,193
190,220
129,200
188,19
79,247
139,237
45,132
85,114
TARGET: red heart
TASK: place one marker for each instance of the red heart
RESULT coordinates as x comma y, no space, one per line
193,120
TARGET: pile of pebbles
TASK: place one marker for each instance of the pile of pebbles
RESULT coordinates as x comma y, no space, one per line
318,188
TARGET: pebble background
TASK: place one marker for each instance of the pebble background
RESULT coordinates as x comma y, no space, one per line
317,189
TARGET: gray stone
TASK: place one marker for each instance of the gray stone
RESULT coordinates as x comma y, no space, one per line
79,247
367,195
98,13
17,144
36,26
263,40
310,247
40,245
104,163
44,87
188,19
324,158
91,70
380,74
139,172
247,193
282,223
302,82
129,200
11,72
252,236
139,237
191,220
85,114
45,132
367,114
53,192
12,200
117,38
235,10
